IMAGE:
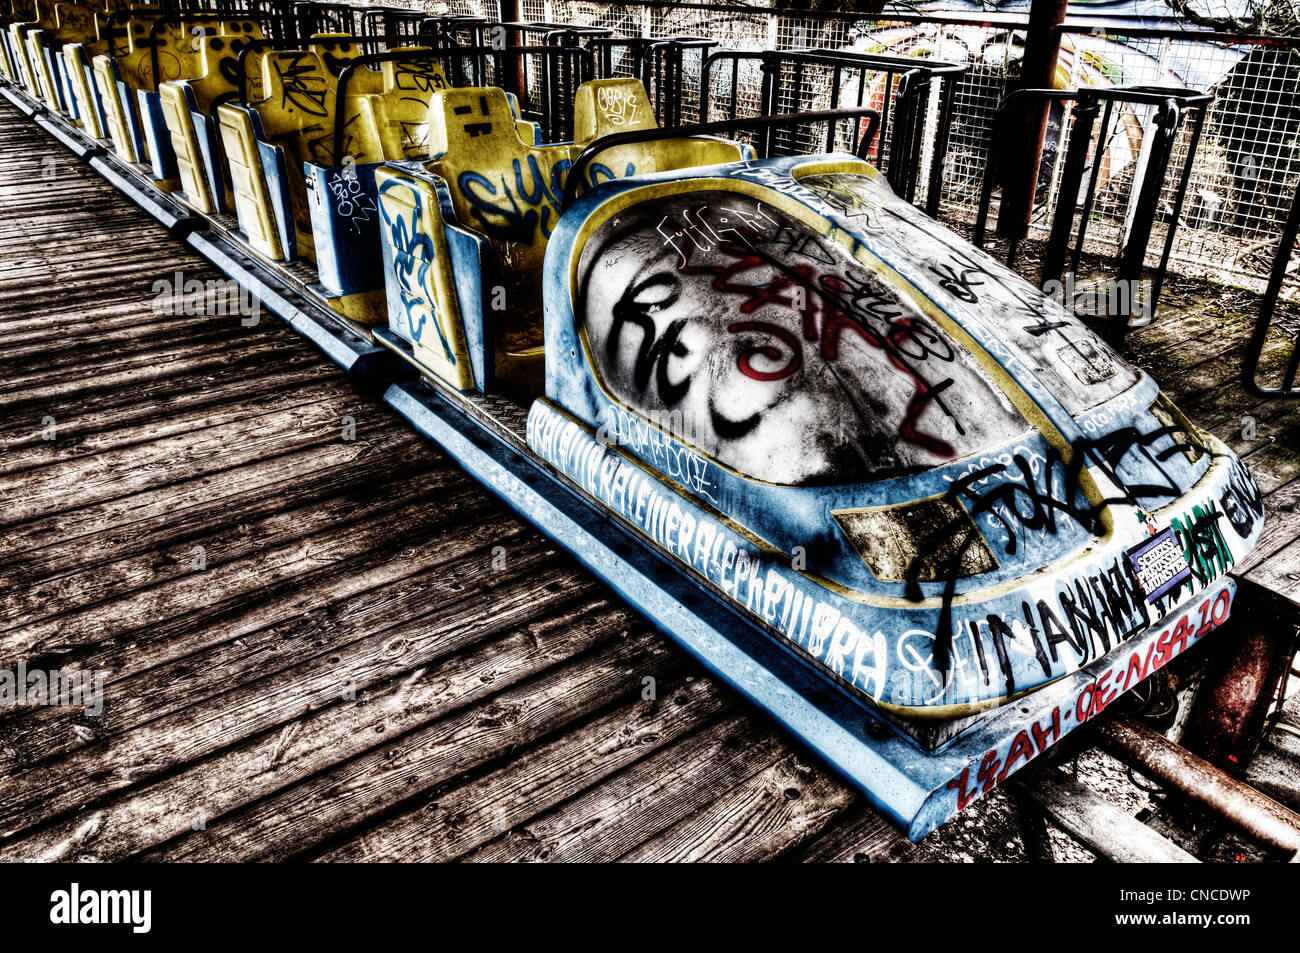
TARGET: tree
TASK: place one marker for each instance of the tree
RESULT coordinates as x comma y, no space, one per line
1271,17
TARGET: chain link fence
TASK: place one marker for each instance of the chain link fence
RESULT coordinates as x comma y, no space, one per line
1245,170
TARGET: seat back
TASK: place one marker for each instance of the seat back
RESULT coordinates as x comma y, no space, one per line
178,54
402,113
257,217
121,125
297,110
603,107
78,57
188,108
219,63
336,50
501,186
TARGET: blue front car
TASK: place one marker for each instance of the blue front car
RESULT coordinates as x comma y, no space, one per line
930,481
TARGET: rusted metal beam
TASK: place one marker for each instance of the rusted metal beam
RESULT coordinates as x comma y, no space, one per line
1037,71
1160,759
1233,702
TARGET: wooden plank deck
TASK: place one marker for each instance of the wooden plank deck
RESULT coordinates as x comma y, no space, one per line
349,675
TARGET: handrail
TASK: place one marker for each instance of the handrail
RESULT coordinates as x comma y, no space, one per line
585,158
1172,101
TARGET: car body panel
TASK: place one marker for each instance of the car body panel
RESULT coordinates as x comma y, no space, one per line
1063,502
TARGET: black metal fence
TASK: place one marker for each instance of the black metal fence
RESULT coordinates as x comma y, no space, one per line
1236,197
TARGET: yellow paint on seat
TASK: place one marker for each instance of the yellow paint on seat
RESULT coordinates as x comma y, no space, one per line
420,276
114,113
252,203
504,188
219,56
603,107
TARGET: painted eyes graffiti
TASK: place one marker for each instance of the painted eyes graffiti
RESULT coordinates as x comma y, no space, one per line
775,351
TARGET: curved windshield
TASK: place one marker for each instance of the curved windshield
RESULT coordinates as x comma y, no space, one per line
771,349
1079,368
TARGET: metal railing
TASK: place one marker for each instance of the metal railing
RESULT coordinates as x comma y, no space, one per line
1170,107
900,87
1245,170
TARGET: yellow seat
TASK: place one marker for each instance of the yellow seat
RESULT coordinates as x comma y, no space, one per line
473,275
188,106
41,18
77,58
120,74
401,111
267,144
506,189
605,107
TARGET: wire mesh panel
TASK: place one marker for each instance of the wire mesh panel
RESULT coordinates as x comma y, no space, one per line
1245,171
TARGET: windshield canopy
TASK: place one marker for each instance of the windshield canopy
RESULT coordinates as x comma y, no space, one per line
763,344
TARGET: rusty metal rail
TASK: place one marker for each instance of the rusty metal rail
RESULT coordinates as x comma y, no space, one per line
1255,813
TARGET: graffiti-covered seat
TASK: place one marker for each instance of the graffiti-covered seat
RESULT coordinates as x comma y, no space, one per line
189,106
128,88
385,116
266,144
465,235
485,206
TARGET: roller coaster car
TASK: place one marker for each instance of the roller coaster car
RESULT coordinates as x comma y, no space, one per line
40,45
385,115
129,82
188,109
922,477
303,137
913,507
